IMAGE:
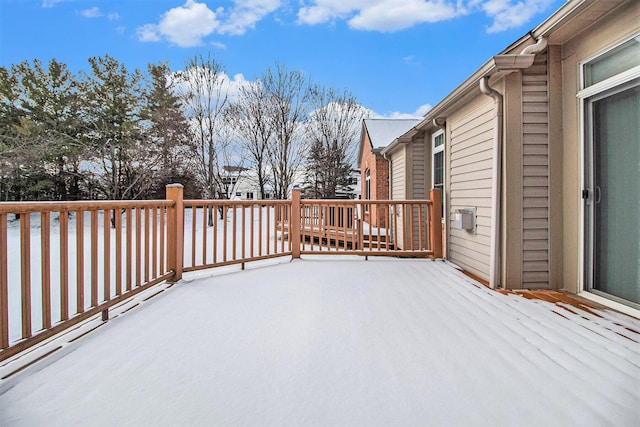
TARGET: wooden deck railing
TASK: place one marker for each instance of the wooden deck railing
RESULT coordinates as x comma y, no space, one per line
103,252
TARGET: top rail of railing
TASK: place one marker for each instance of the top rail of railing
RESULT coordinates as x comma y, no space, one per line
36,207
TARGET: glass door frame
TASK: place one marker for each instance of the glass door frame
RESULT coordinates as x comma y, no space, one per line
590,190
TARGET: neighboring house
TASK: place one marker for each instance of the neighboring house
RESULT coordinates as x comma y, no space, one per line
248,189
374,168
540,149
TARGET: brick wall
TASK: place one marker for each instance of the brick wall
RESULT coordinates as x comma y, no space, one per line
379,169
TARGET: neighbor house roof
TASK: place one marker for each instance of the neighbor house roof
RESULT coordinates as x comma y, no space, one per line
382,132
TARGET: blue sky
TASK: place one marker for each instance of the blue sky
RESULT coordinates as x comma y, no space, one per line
397,56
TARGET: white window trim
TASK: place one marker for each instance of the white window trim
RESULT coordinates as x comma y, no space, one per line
435,150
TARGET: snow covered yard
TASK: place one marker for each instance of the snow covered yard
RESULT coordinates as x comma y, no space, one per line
338,341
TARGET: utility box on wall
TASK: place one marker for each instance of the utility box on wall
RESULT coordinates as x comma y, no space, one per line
465,219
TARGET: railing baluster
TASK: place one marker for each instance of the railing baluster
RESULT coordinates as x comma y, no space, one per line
129,226
234,233
106,245
411,235
163,250
224,233
4,284
64,265
259,230
154,242
275,228
118,223
268,227
94,257
80,261
420,206
138,247
193,231
45,249
204,236
395,226
215,235
243,232
147,243
282,215
251,226
25,255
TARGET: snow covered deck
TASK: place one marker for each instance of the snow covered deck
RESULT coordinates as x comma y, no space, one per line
338,342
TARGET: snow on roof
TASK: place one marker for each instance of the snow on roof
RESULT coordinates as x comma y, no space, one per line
382,132
338,342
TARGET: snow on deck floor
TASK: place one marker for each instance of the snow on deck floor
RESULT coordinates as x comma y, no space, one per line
339,342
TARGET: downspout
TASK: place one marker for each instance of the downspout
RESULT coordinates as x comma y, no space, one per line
494,263
539,46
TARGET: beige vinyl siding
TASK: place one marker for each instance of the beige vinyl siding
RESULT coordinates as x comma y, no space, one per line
398,188
418,169
535,181
418,188
471,136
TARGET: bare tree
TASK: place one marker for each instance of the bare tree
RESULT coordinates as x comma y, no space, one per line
287,93
332,132
249,118
204,92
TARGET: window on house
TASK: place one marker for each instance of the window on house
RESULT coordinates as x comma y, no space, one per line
437,163
367,187
238,194
250,195
615,61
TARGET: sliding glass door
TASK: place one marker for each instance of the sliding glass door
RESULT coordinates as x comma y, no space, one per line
613,205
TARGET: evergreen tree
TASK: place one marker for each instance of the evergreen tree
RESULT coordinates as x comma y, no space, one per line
50,104
168,130
112,109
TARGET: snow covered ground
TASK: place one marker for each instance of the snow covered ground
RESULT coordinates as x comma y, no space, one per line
338,341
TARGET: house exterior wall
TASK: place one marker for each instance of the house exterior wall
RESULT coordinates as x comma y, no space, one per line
470,142
379,180
607,32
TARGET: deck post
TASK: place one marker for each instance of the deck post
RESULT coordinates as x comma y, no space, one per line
294,225
175,231
435,232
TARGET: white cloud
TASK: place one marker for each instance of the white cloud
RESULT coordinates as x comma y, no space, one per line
508,14
50,3
418,114
245,14
188,24
113,17
396,15
93,12
148,33
219,45
378,15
